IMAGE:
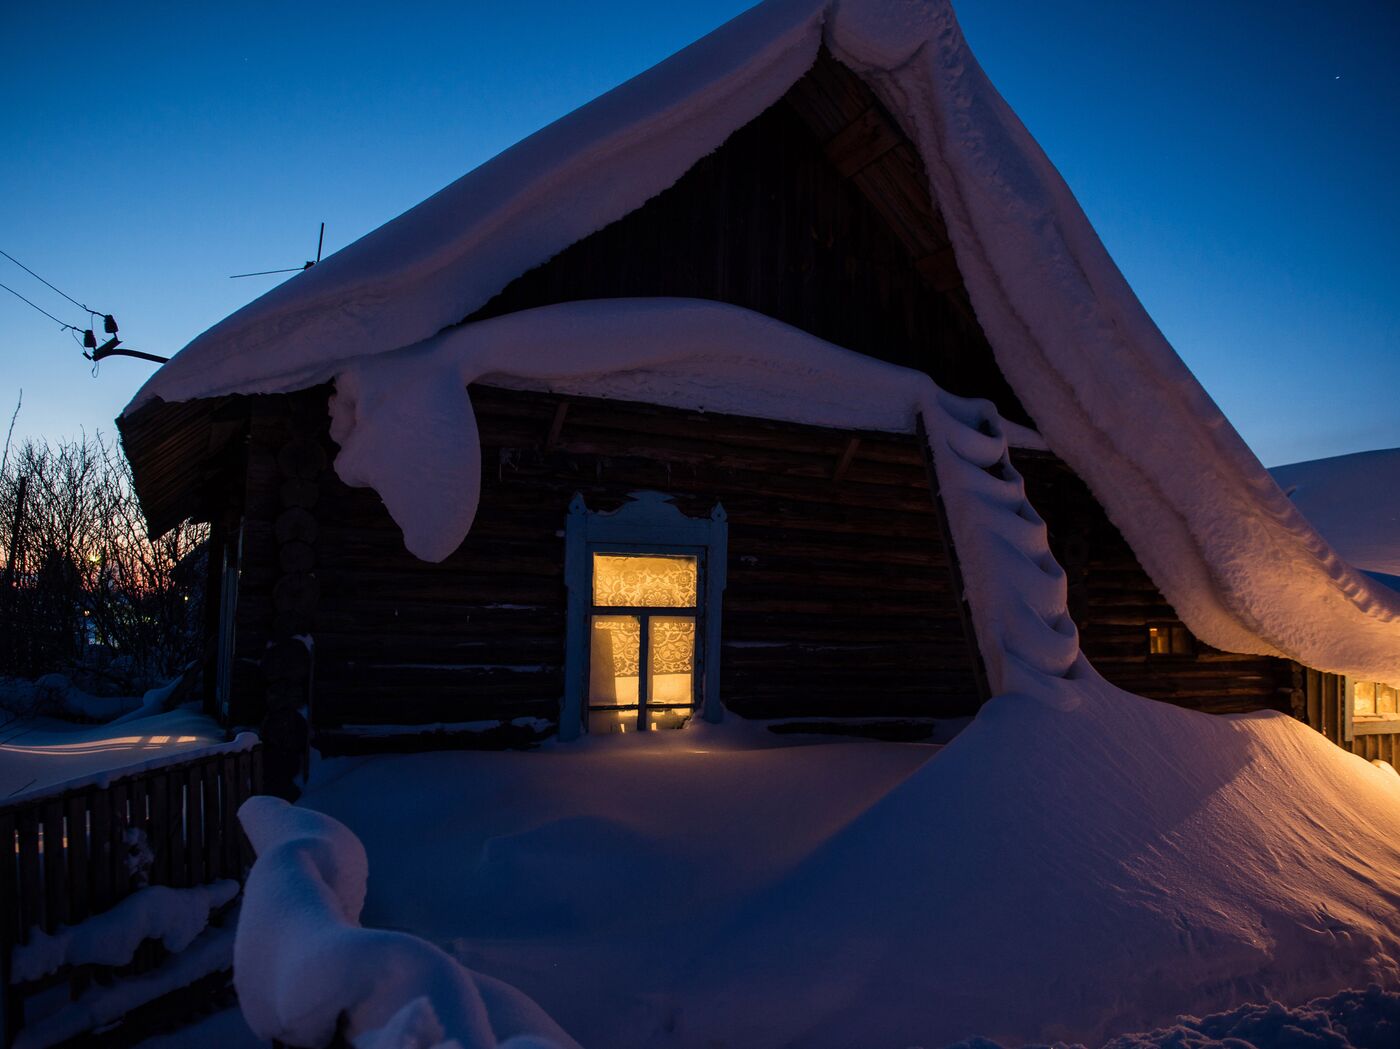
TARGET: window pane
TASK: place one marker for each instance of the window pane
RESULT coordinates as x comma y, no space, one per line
612,722
615,653
644,580
1363,697
1157,640
1386,700
671,675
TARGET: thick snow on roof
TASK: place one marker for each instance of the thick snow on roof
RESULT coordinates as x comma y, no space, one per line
1354,501
1233,556
1049,874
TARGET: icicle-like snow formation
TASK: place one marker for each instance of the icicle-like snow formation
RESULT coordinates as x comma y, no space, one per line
1244,570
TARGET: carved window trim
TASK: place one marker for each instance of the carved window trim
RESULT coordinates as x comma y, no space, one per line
648,523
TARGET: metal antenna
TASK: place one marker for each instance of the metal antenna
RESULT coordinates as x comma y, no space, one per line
320,243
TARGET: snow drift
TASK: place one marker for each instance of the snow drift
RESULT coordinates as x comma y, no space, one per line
1050,874
302,963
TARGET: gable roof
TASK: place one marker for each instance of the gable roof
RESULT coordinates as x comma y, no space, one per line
1244,570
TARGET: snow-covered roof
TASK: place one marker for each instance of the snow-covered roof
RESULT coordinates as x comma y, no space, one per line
1242,567
1354,501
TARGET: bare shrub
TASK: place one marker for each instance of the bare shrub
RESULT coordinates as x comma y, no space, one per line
84,589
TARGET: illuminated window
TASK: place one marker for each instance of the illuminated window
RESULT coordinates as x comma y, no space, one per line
1169,639
643,618
645,583
1374,701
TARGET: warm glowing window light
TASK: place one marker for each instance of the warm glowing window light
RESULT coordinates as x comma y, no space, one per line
1169,639
1371,699
642,641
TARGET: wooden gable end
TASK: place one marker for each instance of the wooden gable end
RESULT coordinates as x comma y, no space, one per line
816,213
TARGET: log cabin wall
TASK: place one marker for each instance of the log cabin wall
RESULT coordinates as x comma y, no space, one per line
839,600
1321,702
1113,601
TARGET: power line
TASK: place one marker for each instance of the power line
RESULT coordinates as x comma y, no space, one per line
41,309
36,276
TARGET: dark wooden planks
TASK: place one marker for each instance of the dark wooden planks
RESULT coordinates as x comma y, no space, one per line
839,596
1112,600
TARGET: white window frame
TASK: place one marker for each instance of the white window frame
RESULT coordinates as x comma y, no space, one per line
648,523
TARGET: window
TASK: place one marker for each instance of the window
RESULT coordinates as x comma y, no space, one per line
642,635
645,584
1169,639
1371,700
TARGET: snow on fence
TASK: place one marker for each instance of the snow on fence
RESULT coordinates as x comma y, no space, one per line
141,849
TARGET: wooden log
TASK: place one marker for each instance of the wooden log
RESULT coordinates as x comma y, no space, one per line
862,142
194,823
288,694
101,843
296,594
296,557
246,788
31,885
214,868
176,790
160,832
79,865
229,795
299,492
287,660
55,865
11,1007
296,525
844,463
302,458
556,426
119,851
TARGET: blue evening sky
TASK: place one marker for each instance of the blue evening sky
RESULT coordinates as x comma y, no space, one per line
1239,159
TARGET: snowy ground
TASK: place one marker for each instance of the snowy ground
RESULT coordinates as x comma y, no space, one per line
1354,501
1049,874
225,1030
38,753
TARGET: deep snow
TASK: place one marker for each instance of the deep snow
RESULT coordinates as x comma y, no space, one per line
1051,873
1354,501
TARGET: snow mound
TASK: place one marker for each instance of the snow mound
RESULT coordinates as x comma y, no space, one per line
1354,501
1368,1019
1057,871
302,962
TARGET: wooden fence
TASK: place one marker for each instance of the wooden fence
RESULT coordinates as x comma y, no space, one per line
75,853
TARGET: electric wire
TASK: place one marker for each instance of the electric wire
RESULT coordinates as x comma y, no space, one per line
46,313
75,302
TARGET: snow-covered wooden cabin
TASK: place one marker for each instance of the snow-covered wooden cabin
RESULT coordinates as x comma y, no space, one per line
663,412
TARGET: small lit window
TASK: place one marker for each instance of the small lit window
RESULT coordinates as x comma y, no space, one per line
645,586
641,660
1169,639
1373,701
